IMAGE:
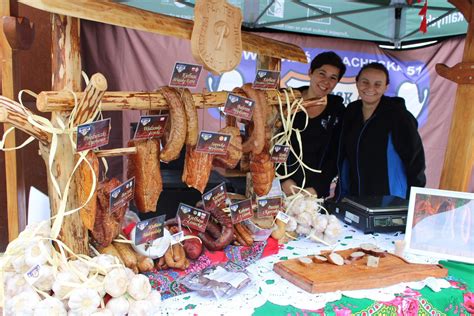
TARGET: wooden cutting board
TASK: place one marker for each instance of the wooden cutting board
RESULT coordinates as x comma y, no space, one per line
327,277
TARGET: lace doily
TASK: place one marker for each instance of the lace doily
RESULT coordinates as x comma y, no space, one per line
268,286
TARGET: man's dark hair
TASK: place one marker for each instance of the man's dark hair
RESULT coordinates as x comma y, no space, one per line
328,58
376,66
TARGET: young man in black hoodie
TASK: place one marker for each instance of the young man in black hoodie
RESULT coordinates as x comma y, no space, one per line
380,150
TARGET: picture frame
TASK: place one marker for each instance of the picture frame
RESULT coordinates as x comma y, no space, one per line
440,224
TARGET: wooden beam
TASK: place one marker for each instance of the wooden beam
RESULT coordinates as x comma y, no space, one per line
459,158
16,197
49,101
113,13
461,73
464,6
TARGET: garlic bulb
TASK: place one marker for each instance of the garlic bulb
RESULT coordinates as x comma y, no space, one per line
22,304
16,284
98,285
50,306
79,268
139,287
141,308
103,263
19,264
303,230
154,297
83,301
118,306
304,218
116,282
41,229
297,207
130,273
291,225
320,222
46,279
38,253
60,285
102,312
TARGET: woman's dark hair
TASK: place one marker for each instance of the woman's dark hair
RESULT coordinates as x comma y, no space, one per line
328,58
376,66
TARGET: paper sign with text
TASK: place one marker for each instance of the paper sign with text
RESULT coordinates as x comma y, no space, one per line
150,126
283,217
241,211
192,217
121,195
280,153
185,75
266,79
238,106
93,135
149,230
268,206
213,143
215,198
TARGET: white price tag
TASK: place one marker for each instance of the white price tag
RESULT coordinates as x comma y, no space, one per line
33,274
283,217
176,238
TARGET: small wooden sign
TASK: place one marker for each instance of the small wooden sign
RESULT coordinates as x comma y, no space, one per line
121,195
266,79
192,217
185,75
216,38
150,126
149,230
268,206
215,198
238,106
280,153
93,135
241,211
213,143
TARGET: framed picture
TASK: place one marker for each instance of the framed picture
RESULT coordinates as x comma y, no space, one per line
440,224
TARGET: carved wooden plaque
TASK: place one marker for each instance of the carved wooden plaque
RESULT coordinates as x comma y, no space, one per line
216,39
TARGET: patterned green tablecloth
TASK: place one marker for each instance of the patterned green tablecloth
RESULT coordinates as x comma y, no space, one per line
458,300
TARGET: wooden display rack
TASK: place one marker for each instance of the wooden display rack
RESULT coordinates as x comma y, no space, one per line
67,74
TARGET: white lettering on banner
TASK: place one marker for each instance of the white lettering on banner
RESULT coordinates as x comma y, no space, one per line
456,17
249,55
358,62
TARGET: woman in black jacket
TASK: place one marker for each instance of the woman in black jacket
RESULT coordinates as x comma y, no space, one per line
320,138
380,150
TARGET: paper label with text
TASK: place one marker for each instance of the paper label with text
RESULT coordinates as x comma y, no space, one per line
121,195
192,217
93,135
150,126
185,75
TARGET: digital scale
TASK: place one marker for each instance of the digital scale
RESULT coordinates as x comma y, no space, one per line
372,213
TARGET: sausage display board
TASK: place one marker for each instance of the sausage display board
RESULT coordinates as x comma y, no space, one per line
324,277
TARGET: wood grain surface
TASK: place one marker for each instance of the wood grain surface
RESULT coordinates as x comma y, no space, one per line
327,277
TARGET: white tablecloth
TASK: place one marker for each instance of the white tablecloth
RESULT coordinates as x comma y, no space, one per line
268,286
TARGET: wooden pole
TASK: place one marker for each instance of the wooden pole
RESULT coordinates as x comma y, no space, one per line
113,13
49,101
459,158
15,186
66,70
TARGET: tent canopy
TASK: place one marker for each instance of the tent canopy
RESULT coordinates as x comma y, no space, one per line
382,21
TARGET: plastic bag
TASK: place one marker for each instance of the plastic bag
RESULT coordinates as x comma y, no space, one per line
220,281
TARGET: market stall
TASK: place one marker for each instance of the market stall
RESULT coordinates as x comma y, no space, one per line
207,245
